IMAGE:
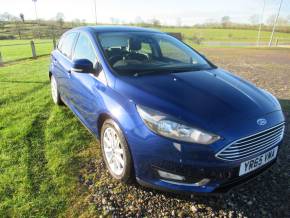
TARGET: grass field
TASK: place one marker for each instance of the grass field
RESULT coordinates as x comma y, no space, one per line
41,146
228,35
18,49
45,151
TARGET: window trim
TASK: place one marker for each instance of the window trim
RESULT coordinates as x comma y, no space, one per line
92,45
105,80
72,47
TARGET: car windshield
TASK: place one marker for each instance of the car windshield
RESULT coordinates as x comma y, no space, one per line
134,53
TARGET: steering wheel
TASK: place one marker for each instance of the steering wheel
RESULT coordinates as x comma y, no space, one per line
115,58
137,57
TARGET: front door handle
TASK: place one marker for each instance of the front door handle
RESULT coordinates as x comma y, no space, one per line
54,61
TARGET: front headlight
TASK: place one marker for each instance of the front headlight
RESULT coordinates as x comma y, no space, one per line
167,126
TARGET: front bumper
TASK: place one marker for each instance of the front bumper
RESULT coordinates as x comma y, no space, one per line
221,185
194,163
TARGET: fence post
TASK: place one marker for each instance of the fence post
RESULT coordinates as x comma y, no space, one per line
54,43
277,41
33,49
1,60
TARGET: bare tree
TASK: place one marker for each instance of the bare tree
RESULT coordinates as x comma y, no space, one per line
2,22
6,17
155,22
17,26
60,19
225,21
21,15
76,22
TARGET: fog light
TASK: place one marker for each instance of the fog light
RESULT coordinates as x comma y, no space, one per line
172,176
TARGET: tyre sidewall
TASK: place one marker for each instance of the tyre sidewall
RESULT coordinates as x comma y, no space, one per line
58,98
126,175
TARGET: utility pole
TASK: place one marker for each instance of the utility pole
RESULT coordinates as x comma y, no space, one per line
275,23
36,17
261,22
95,10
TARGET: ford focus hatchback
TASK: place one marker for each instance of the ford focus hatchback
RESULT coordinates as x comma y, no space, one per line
165,115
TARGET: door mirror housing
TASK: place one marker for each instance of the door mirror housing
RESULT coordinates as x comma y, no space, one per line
82,66
98,68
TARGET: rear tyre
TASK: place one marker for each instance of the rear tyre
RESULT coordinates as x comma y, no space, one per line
116,152
54,91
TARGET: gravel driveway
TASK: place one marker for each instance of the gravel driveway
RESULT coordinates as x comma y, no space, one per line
265,196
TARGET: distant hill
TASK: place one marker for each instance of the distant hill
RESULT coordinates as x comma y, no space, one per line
207,32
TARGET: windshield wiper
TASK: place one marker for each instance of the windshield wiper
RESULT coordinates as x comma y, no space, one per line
170,70
167,70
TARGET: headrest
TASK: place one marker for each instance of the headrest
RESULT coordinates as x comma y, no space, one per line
134,44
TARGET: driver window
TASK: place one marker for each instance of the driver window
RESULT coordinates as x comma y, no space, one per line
84,49
146,48
172,52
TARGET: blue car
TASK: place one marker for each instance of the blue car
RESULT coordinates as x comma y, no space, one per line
164,114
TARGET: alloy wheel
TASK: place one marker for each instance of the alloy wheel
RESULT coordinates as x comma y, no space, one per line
54,90
114,153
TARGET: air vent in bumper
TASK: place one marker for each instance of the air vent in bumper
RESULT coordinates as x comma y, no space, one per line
253,144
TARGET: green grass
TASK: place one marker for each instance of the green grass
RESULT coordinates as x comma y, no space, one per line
41,145
227,35
22,49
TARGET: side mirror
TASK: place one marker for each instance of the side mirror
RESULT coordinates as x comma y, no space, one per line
82,66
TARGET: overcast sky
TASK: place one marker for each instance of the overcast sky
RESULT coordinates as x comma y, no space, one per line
167,11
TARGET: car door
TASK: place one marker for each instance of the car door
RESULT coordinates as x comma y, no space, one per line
62,62
85,88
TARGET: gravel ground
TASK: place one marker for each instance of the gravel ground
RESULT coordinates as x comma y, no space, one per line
265,196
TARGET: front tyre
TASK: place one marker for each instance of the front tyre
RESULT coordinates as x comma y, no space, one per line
54,91
115,152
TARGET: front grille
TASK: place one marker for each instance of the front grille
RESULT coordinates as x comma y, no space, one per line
253,144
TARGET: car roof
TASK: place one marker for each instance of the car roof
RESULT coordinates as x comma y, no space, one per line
101,29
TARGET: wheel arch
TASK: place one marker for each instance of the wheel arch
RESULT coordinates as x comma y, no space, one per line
101,119
49,74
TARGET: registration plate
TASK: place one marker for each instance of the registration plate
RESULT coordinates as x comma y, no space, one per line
257,162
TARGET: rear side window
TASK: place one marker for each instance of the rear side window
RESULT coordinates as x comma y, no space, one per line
66,44
60,43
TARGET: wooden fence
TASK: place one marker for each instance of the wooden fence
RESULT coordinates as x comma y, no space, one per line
27,50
